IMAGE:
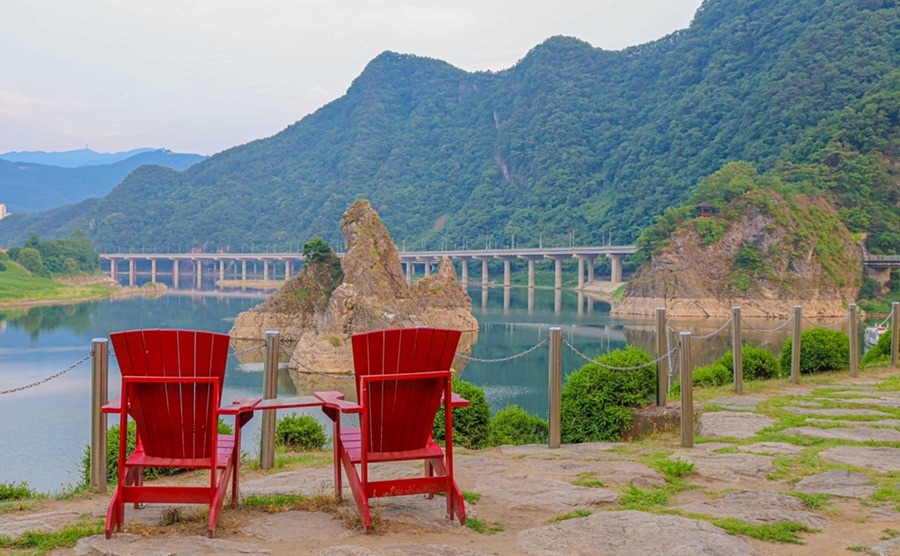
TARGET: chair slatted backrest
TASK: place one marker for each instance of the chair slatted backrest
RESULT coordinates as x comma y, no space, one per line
401,413
174,420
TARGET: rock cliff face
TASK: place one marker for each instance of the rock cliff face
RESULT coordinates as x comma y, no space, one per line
763,253
372,294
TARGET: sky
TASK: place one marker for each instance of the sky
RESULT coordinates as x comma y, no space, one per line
202,76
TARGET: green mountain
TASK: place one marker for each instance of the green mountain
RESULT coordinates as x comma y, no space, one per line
571,142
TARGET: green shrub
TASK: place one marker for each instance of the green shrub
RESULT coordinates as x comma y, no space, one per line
514,425
595,399
758,363
13,491
821,350
112,455
472,424
707,376
300,433
881,351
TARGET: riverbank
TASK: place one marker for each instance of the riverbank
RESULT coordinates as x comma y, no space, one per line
785,469
19,288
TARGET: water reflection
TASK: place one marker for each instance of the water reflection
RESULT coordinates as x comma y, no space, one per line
46,318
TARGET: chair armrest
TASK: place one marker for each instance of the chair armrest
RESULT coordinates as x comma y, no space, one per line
336,400
457,401
112,406
240,405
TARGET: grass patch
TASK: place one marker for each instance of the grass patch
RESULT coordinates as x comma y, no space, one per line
16,491
674,469
481,527
43,542
634,498
588,480
858,548
571,515
471,497
290,460
17,284
780,532
286,502
812,501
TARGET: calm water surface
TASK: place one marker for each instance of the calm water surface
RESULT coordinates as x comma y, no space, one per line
44,430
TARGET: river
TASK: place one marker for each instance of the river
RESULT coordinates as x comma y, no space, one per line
44,429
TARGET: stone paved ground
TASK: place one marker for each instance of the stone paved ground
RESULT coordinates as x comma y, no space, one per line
825,457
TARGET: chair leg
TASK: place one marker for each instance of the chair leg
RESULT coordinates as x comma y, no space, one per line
115,513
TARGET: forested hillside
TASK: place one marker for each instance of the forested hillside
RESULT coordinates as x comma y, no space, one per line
571,141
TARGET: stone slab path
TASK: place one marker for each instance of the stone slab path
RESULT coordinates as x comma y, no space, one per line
838,445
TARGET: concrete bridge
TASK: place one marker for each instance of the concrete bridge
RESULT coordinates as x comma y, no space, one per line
218,262
878,267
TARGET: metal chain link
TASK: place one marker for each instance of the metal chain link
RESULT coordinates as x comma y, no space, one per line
589,360
776,329
313,371
888,318
248,350
710,335
49,378
832,325
504,359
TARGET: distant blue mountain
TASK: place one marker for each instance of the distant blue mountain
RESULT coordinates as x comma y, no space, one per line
71,159
30,187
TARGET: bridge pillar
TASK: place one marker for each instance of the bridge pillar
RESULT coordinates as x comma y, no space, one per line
287,269
557,268
153,270
531,259
427,268
175,273
465,273
616,260
265,270
507,270
409,272
131,272
112,268
244,270
221,269
199,263
484,270
581,260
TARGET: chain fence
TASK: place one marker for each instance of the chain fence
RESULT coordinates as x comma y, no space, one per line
704,337
747,323
306,367
504,359
49,378
832,325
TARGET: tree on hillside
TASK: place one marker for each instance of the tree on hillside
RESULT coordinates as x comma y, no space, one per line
30,259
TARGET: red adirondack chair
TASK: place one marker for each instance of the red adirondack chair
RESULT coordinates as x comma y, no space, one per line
402,377
172,388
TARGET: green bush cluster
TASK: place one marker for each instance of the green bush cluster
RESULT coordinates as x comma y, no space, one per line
514,425
472,424
300,433
758,363
881,351
707,376
112,455
16,491
821,350
595,399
